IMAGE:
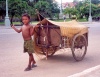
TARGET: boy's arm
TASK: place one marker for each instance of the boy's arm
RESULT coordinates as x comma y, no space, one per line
31,30
17,30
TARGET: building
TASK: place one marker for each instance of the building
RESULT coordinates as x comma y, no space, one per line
68,4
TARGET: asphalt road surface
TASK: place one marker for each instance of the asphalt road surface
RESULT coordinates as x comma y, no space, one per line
13,61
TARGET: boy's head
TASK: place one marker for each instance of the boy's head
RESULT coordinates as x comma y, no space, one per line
25,18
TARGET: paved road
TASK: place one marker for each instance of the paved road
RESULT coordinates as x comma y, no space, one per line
13,60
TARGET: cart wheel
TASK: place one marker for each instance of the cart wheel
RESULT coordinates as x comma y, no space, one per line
49,51
79,47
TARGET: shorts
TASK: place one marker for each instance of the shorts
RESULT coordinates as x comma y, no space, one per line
28,46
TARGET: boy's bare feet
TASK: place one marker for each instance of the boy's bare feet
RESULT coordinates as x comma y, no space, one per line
28,68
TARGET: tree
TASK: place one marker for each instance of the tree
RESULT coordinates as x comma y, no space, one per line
17,7
43,7
67,11
47,8
84,9
2,9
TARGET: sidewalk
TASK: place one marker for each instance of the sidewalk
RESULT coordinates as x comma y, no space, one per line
4,27
7,27
91,72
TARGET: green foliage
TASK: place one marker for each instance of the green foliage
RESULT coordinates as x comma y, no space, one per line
71,11
17,7
82,8
2,8
42,5
47,8
94,10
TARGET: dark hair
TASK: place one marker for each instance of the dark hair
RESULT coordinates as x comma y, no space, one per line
26,15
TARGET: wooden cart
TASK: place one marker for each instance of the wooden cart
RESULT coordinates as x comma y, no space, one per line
52,36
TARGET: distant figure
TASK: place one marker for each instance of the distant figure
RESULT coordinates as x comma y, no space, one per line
64,18
27,31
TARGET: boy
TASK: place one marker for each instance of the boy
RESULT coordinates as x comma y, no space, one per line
27,31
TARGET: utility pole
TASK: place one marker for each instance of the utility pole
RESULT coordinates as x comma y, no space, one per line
7,21
61,14
90,17
61,7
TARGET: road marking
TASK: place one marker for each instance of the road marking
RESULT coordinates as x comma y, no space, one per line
85,72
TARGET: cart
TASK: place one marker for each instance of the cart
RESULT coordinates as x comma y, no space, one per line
51,36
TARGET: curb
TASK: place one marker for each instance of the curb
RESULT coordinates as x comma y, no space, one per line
87,72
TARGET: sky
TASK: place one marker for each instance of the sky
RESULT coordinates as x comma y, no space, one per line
59,1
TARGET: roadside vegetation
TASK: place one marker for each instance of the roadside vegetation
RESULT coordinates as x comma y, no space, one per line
49,9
